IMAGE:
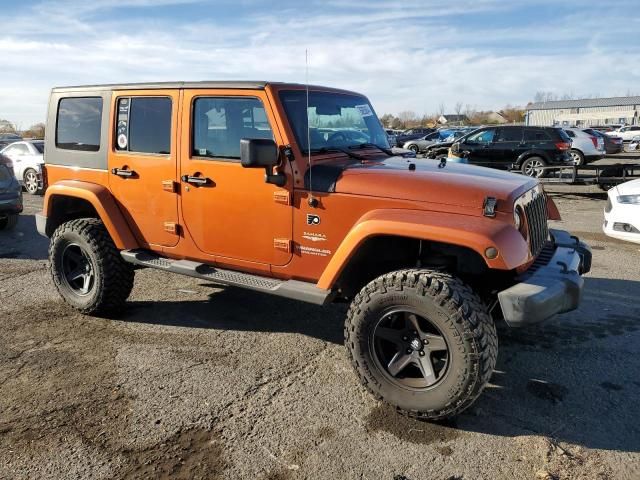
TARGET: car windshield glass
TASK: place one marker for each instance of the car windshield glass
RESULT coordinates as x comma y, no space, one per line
335,120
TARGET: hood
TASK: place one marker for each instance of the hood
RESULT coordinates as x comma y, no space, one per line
453,184
629,188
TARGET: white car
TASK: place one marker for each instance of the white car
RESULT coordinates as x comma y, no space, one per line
585,148
622,212
27,157
626,133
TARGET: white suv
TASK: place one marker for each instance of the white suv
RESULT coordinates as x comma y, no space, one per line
585,148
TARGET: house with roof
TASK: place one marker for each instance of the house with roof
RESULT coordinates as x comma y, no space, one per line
584,113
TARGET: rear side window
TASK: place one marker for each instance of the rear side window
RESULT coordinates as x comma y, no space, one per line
144,125
79,123
39,147
220,122
509,134
535,135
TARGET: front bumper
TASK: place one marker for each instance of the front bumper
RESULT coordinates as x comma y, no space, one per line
552,285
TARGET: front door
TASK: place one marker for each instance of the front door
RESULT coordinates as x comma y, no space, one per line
480,147
230,211
142,163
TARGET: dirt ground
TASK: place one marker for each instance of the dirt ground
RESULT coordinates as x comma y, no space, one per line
200,381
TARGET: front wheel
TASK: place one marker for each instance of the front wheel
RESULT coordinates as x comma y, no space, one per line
31,183
87,268
421,341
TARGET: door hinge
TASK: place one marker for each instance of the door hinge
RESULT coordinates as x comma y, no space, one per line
169,186
283,244
171,227
282,196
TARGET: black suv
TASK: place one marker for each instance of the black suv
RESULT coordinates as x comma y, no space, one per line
515,148
412,134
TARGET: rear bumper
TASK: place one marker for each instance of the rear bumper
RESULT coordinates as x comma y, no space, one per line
594,158
548,288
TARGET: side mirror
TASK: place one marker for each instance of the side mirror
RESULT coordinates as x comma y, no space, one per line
262,153
258,152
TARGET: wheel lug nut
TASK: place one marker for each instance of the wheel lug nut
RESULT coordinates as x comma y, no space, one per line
421,353
409,350
425,342
405,338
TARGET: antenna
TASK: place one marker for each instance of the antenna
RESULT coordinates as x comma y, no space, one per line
312,201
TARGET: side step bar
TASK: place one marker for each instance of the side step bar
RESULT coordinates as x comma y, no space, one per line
303,291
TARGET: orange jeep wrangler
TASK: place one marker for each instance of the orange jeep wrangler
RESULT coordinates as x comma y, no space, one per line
292,190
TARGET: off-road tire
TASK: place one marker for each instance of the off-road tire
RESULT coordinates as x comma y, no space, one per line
9,222
464,322
113,277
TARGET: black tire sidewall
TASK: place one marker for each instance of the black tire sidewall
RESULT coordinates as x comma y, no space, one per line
461,371
580,156
58,245
24,179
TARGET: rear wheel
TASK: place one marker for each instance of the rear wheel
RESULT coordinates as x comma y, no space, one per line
577,157
87,268
532,167
8,222
31,184
422,341
414,149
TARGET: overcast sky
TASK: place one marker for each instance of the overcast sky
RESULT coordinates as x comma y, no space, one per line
408,55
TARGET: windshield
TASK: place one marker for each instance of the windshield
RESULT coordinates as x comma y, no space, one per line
335,120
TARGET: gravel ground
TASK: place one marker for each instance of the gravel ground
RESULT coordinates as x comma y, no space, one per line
200,381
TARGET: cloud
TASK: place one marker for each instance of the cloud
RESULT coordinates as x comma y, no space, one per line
404,58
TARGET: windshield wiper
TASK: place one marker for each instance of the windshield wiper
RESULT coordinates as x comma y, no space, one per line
336,149
373,145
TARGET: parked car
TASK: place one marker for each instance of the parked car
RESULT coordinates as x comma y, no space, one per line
626,133
510,147
612,144
8,138
585,148
622,212
28,158
412,134
10,195
633,145
420,144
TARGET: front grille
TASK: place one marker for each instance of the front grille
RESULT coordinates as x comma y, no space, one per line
535,211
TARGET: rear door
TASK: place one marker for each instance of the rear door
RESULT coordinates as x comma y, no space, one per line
143,165
508,144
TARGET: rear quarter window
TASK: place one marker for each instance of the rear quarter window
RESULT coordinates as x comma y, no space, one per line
78,124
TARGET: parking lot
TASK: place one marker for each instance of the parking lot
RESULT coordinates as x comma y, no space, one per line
201,381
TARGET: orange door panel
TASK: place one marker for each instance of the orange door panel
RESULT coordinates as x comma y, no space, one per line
143,165
228,210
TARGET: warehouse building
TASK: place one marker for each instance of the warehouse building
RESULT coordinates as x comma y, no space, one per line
586,112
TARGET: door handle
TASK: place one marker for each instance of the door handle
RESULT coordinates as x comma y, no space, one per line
197,181
123,172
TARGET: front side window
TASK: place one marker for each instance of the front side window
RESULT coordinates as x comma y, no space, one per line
143,125
483,136
220,122
333,120
79,123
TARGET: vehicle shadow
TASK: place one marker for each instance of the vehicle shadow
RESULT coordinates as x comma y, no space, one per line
571,379
238,309
23,242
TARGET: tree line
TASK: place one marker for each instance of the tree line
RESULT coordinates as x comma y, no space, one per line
34,131
409,119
